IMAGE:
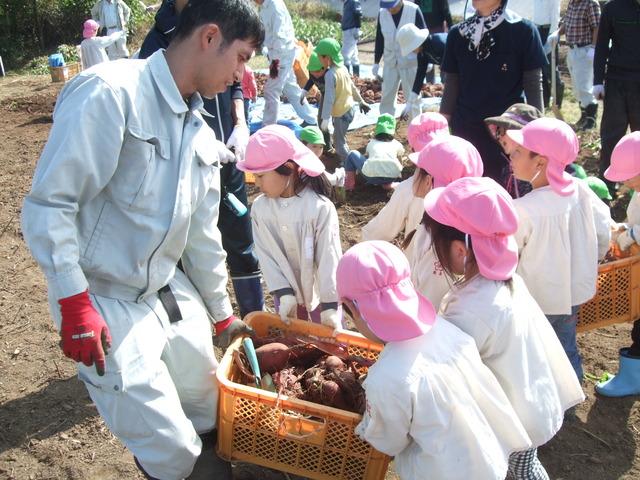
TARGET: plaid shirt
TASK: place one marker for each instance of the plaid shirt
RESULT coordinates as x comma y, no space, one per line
580,21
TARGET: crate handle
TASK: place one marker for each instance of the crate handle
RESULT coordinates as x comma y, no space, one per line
300,428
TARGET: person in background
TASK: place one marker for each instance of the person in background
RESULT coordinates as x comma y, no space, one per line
514,118
545,15
316,77
381,164
280,44
350,25
472,222
92,48
625,167
249,89
398,69
340,96
113,16
128,185
431,402
580,27
430,49
295,226
437,18
559,238
225,116
311,137
445,159
616,76
403,212
507,50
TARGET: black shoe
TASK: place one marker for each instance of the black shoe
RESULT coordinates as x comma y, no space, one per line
356,70
579,125
590,118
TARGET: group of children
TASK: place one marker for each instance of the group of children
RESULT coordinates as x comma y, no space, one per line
478,314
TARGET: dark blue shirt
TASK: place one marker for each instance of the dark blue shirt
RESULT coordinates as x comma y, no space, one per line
351,14
432,52
489,87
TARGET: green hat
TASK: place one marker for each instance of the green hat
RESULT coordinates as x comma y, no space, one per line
311,135
386,124
331,48
576,170
598,187
314,63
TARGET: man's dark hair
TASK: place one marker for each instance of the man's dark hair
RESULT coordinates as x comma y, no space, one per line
237,19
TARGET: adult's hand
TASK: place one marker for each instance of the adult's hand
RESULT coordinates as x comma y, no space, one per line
331,318
375,71
303,97
238,141
85,335
228,329
273,68
598,92
287,308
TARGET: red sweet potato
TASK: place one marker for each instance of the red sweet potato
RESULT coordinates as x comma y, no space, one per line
272,357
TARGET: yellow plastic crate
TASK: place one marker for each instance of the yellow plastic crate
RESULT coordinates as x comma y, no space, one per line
291,435
617,298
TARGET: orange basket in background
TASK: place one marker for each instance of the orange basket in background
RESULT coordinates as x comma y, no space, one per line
288,434
617,298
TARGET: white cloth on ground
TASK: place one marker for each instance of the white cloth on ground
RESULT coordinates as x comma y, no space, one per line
518,344
435,407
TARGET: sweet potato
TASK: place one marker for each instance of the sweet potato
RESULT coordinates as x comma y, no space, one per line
334,363
272,357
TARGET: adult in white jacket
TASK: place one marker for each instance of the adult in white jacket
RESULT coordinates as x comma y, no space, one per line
92,48
127,185
398,69
113,16
280,42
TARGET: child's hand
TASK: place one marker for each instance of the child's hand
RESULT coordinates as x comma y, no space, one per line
364,108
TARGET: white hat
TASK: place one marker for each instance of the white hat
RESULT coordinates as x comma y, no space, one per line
410,37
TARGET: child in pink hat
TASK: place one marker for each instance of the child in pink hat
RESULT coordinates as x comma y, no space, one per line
295,226
625,167
472,222
431,402
93,48
404,210
445,159
563,228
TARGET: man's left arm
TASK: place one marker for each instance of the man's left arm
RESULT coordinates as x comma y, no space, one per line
239,136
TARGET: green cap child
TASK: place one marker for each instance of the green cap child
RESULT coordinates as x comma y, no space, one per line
312,137
386,124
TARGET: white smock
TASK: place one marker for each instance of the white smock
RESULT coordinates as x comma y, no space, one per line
435,407
427,273
402,213
518,344
558,247
383,159
633,215
297,242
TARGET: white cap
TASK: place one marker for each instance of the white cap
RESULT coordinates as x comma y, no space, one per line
410,37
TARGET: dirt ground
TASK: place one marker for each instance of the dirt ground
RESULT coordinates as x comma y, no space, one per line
49,429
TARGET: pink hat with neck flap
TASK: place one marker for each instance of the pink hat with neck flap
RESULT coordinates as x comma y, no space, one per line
423,129
625,159
449,158
375,275
89,28
554,139
481,208
274,145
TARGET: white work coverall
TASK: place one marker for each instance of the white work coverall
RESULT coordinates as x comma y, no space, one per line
113,15
280,42
92,50
128,184
397,68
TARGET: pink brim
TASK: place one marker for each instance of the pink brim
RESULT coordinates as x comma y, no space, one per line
492,266
617,175
516,136
414,157
398,314
430,206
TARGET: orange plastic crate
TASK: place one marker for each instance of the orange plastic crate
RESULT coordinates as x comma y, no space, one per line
617,298
291,435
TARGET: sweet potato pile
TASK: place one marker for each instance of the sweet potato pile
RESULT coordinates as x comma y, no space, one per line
319,371
370,89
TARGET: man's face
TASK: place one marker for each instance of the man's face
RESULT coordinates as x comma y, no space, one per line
223,65
396,9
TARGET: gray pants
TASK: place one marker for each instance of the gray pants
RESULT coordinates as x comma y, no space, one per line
526,466
340,127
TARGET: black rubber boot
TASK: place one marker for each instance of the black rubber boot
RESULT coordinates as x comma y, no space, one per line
248,293
583,118
209,465
591,115
356,70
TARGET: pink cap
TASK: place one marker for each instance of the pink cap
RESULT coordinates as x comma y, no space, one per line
555,140
424,128
375,275
89,28
449,158
273,145
625,159
483,209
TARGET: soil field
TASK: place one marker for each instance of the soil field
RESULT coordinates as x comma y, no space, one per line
49,429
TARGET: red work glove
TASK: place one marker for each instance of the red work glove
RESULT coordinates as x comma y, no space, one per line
85,336
228,329
273,68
